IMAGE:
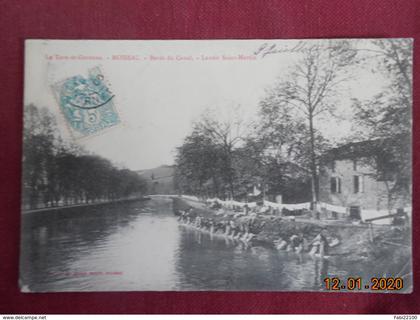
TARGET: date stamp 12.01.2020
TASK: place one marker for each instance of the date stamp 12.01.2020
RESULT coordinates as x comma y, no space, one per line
87,103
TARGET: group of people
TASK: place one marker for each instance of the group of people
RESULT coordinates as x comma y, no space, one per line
296,243
246,229
320,245
227,227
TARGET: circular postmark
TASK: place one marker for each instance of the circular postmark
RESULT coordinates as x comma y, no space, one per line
87,102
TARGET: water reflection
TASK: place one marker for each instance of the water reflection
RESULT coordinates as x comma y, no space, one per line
321,272
128,246
141,246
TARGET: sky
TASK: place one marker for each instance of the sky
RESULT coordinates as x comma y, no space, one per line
158,100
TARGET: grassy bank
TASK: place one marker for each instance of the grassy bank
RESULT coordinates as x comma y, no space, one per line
357,242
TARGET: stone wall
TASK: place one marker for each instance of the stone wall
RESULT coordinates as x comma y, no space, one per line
372,195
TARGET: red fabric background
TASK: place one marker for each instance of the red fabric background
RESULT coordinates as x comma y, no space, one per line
192,19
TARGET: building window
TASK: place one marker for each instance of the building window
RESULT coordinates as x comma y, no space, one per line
358,184
335,185
354,165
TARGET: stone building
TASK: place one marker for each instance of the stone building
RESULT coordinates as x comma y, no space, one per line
353,184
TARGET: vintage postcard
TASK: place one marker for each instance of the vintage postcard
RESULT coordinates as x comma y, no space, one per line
226,165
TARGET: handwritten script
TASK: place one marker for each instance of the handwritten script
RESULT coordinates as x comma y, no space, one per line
271,48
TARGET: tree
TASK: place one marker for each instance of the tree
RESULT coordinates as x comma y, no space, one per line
387,117
198,165
225,135
388,113
206,162
311,89
277,151
39,150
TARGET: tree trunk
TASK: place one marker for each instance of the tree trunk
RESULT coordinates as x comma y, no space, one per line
263,190
230,170
314,188
215,186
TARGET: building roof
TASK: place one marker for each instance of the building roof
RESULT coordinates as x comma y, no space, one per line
362,149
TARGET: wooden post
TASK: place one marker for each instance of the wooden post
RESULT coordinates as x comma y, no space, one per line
370,232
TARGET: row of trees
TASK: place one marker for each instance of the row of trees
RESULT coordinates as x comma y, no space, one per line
56,172
281,150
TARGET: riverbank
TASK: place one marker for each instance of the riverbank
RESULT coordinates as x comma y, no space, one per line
356,242
83,205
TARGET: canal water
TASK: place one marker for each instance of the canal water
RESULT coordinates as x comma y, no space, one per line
140,246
